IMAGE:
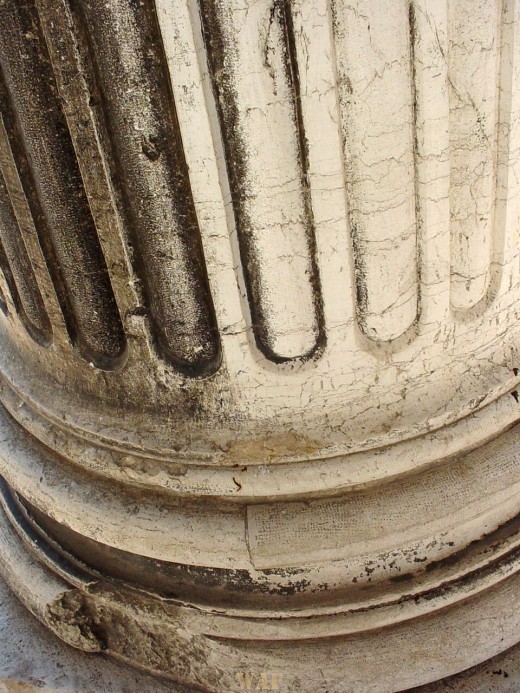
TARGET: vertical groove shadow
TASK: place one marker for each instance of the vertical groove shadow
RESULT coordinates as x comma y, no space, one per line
377,99
254,72
52,182
9,282
19,273
131,74
3,303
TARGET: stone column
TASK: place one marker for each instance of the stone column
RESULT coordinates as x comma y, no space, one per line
259,334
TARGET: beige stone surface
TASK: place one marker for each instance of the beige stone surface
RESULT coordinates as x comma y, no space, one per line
31,655
33,659
260,339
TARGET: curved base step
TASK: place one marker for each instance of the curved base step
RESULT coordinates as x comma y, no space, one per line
216,650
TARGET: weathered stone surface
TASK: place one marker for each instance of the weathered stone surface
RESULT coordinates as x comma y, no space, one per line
259,358
37,659
33,656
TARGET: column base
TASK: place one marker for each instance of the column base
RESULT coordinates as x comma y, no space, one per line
399,646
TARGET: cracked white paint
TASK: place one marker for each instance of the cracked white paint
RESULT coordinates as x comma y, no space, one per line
476,87
355,393
257,91
355,176
376,88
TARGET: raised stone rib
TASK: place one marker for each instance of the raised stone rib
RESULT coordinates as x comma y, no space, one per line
254,74
48,168
377,104
479,95
127,52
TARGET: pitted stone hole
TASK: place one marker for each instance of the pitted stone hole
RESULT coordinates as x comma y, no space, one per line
71,619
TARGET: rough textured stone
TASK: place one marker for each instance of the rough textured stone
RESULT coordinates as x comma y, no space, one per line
259,363
34,659
32,655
